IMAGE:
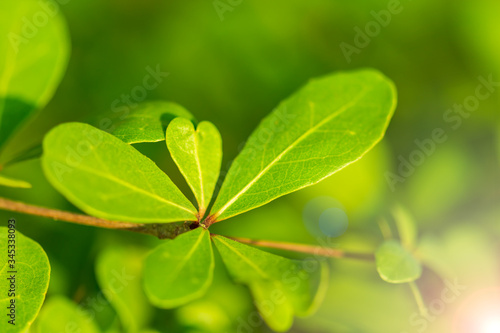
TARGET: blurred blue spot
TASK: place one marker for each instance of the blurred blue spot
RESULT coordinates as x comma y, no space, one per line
333,222
324,226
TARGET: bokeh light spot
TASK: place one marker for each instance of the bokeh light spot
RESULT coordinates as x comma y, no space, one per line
325,216
333,222
480,313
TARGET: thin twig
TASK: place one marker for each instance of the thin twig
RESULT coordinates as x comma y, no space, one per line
419,299
385,229
20,207
303,248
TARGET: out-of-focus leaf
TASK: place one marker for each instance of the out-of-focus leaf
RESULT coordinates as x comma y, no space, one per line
281,287
395,264
41,193
180,270
59,314
29,154
479,26
436,188
328,124
32,61
198,154
31,272
106,177
354,293
119,272
145,123
12,182
462,252
406,227
217,310
204,315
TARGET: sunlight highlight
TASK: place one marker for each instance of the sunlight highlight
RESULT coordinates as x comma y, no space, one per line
491,325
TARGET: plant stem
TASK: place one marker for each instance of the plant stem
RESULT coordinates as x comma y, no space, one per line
419,299
209,221
309,249
20,207
168,230
385,229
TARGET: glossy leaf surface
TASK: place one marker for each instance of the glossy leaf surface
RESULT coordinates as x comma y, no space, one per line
198,154
108,178
328,124
180,270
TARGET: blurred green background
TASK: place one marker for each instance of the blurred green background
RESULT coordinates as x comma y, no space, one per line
235,70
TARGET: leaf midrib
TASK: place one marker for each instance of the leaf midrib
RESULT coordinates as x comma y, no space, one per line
189,255
246,259
198,164
292,145
131,186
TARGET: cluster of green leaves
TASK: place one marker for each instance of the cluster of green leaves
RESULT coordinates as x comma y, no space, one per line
328,124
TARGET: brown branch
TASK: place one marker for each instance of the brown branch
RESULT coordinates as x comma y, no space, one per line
303,248
169,230
157,230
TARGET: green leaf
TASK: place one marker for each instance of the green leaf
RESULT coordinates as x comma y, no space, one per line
145,123
108,178
29,154
60,314
32,61
210,317
12,182
281,287
280,314
180,270
328,124
32,272
406,227
198,154
119,272
478,23
395,264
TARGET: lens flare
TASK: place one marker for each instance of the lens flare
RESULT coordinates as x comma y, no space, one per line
491,325
480,313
